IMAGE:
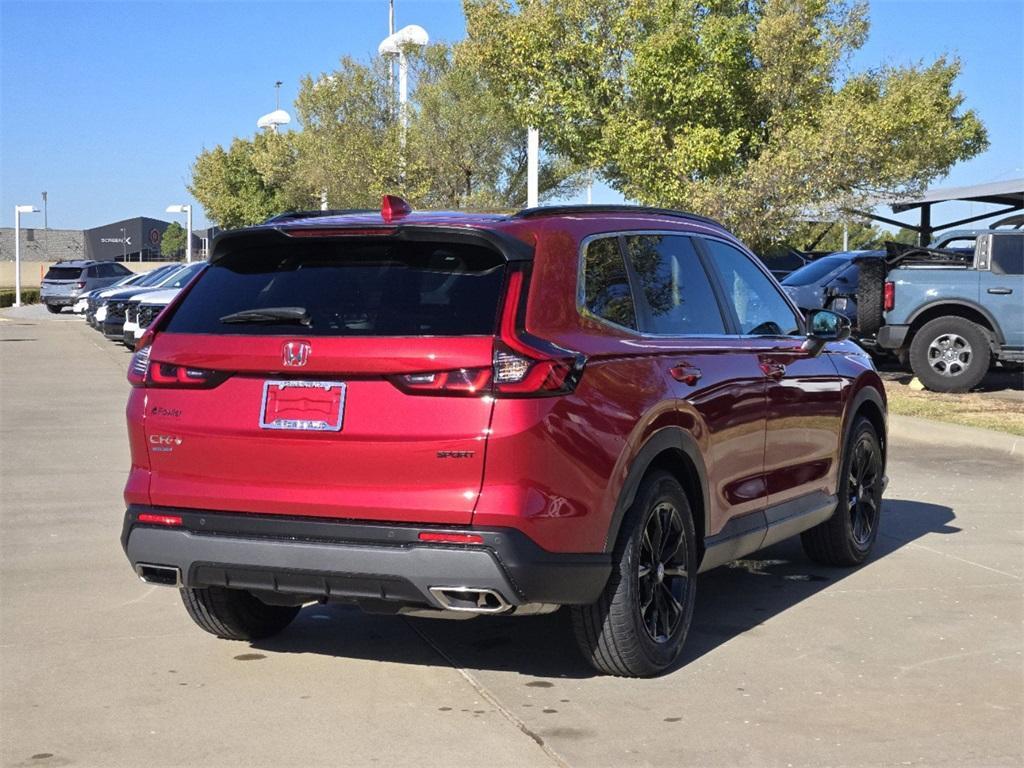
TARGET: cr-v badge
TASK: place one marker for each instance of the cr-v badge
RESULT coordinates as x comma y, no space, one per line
295,353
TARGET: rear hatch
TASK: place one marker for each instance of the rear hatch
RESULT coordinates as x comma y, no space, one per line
61,281
301,378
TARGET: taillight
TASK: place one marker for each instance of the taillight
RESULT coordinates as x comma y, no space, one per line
463,381
80,285
144,372
889,296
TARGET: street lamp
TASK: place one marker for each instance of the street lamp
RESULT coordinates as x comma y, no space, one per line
124,244
278,117
187,210
395,45
18,210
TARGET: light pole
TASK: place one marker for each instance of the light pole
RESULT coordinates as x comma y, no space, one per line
395,45
124,245
532,166
187,210
278,117
18,210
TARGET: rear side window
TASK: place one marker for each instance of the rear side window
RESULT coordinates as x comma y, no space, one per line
676,289
63,273
119,269
349,287
758,306
815,271
1008,255
607,294
93,271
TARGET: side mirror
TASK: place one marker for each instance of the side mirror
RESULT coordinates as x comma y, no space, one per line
824,326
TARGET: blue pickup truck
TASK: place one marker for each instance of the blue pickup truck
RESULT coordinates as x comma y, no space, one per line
947,313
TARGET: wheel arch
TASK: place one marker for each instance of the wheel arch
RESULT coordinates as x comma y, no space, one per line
965,308
868,403
675,451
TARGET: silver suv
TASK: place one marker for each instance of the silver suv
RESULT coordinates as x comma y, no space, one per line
67,280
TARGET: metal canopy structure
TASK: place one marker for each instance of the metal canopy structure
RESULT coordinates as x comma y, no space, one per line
1009,194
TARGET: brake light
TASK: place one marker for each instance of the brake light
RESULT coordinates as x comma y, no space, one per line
144,372
146,517
80,285
451,538
464,381
525,366
337,232
889,296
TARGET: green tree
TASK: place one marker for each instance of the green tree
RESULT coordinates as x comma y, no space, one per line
249,181
745,111
172,242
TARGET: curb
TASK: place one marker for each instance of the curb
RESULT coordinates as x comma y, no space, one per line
915,429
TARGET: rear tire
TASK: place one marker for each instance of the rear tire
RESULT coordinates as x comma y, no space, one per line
846,538
950,354
234,614
54,308
639,624
870,280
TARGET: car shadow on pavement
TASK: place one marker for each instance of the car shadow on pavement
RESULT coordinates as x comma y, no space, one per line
731,600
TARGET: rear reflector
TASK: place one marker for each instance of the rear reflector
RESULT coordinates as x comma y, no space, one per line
451,538
146,517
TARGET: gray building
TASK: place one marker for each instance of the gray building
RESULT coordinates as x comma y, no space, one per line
43,244
135,239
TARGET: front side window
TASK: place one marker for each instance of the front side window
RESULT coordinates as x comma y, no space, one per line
676,288
606,283
758,306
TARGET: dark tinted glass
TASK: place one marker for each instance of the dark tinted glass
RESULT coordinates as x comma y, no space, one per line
758,305
676,287
93,271
815,271
154,277
1008,255
350,288
606,285
119,269
63,273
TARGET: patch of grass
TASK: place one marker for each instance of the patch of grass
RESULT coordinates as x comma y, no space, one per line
972,409
28,296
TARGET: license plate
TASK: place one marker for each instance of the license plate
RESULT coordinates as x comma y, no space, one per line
307,406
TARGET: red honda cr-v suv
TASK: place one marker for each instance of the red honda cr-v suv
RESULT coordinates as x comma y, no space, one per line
579,406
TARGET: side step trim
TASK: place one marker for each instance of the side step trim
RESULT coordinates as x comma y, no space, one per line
743,535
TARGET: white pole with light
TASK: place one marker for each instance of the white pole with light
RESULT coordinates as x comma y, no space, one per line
187,210
395,45
18,210
532,166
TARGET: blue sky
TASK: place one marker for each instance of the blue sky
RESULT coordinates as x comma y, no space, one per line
105,105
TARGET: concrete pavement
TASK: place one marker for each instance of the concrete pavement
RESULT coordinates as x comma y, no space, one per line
913,659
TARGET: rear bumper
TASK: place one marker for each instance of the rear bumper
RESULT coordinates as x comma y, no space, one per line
892,336
58,301
367,563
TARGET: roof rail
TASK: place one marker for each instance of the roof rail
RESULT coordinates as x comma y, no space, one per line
292,215
558,210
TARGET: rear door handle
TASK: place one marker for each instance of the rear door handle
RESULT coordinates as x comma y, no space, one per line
687,374
773,370
1001,291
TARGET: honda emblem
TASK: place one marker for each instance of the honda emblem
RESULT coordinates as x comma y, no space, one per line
295,353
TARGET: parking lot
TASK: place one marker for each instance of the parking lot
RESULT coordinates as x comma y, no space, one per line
913,659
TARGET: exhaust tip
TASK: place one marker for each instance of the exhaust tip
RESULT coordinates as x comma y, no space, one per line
470,599
163,575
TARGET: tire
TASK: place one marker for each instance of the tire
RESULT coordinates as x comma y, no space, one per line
847,537
870,281
618,635
235,614
54,308
950,354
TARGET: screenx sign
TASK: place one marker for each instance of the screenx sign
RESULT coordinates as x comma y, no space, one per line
132,238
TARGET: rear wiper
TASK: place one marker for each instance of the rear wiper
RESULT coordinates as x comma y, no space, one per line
269,315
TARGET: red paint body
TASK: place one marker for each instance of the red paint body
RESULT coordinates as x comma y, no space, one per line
768,417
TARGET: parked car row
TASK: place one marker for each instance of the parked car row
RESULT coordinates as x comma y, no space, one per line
123,309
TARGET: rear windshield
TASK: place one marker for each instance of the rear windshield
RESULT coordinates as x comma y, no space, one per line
349,288
814,271
63,273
